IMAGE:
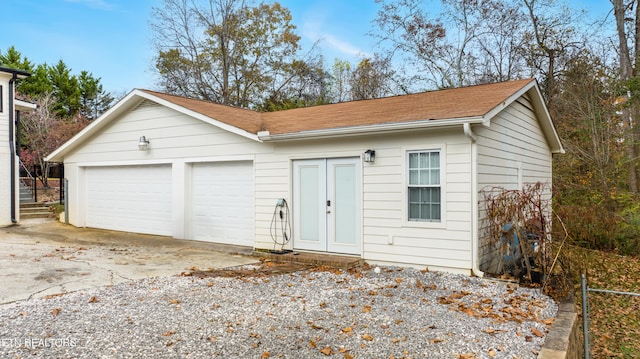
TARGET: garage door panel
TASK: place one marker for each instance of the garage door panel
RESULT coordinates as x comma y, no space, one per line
129,198
222,203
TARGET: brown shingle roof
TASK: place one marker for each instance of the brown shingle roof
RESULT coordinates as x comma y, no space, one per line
247,120
465,102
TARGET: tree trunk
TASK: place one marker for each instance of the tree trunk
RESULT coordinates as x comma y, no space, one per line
626,73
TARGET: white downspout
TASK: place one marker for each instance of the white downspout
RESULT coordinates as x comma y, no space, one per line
475,247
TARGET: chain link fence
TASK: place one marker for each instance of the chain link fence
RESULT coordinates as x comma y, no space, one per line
585,309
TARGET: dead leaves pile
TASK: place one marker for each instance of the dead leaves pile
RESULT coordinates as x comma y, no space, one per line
514,307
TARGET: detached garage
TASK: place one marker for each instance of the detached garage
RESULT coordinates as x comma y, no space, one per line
393,180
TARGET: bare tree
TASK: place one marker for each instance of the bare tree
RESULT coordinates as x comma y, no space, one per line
628,29
553,41
371,79
225,50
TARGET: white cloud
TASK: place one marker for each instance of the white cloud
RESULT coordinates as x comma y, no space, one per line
331,44
343,46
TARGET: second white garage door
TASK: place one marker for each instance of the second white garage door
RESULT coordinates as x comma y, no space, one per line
129,198
222,203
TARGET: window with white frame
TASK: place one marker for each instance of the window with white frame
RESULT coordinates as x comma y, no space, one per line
424,190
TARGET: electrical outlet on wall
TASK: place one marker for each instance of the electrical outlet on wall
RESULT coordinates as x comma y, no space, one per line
390,240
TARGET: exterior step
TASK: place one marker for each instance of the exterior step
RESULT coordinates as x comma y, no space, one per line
25,193
34,210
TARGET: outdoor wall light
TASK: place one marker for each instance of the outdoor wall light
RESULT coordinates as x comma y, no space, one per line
143,144
369,156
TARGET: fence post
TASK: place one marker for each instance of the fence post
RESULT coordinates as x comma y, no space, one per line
66,201
61,182
585,315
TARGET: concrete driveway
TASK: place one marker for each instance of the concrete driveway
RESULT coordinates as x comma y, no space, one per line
45,257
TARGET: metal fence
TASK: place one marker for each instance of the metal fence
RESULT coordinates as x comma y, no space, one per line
585,309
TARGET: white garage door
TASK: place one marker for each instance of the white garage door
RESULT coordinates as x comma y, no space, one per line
222,203
129,198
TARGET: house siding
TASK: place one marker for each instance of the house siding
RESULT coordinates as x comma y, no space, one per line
175,139
5,154
512,152
387,236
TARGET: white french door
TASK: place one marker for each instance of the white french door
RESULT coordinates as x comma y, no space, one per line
327,205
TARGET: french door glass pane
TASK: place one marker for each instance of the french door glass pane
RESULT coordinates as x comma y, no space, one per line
345,204
309,203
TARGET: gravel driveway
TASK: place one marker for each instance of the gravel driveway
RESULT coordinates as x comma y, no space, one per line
397,313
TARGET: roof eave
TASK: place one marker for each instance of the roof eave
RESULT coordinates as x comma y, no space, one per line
369,129
198,115
541,110
93,127
125,103
24,105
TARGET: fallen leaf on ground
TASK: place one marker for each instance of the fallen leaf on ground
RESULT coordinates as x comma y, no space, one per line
56,311
536,332
367,337
327,351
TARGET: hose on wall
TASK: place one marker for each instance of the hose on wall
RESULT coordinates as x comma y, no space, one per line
280,229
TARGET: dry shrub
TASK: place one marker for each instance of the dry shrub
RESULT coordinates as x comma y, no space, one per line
523,213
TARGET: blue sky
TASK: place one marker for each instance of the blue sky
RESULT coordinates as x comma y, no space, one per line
111,38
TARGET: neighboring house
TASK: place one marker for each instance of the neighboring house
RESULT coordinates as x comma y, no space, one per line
10,108
216,173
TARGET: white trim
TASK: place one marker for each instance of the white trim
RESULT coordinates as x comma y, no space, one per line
94,126
24,105
198,115
509,100
369,129
127,163
540,109
442,224
130,101
231,158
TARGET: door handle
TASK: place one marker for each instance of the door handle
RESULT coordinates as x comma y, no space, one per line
328,205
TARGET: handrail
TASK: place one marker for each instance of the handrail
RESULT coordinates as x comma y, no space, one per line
33,181
25,168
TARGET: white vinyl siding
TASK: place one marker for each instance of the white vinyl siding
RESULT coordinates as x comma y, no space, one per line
388,236
512,153
171,135
424,198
